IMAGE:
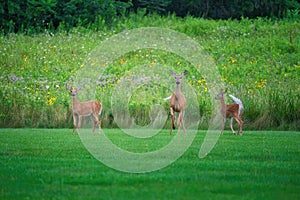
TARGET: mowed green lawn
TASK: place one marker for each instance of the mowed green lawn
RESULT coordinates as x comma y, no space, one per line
54,164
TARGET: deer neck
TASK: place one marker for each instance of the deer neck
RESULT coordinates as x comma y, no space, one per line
223,105
74,101
177,90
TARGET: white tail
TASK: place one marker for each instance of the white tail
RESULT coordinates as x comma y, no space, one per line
168,98
100,111
88,108
177,103
239,102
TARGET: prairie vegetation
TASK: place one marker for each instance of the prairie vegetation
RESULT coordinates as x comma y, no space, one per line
258,60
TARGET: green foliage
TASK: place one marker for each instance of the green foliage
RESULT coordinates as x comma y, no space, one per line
53,164
34,16
155,6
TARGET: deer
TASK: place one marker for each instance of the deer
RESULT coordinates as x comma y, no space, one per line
231,111
90,108
177,103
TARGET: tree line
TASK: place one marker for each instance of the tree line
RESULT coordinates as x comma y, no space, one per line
37,15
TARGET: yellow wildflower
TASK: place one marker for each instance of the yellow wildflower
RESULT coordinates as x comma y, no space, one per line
260,84
233,60
25,58
51,100
93,63
122,61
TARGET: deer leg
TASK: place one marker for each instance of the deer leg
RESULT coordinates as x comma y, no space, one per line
74,123
97,121
179,121
173,119
240,122
94,123
223,125
240,127
79,123
231,120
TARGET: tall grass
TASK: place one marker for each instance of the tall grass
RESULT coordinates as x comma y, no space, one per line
257,59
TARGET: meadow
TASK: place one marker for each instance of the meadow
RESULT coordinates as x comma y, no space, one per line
53,164
258,60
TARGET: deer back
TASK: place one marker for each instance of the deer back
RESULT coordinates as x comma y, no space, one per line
232,109
87,107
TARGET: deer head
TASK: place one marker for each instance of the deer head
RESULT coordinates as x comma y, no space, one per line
178,78
73,91
220,95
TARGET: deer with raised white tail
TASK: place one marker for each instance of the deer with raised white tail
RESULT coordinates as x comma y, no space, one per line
90,108
231,111
177,103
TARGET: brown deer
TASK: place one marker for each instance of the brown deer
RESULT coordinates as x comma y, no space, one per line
91,108
177,103
231,111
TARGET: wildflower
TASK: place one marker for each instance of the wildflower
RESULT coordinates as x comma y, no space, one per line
122,61
51,100
25,58
202,81
260,84
233,60
93,63
104,64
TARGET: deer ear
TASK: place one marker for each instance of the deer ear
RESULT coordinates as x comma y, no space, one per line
184,73
172,73
67,86
78,88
